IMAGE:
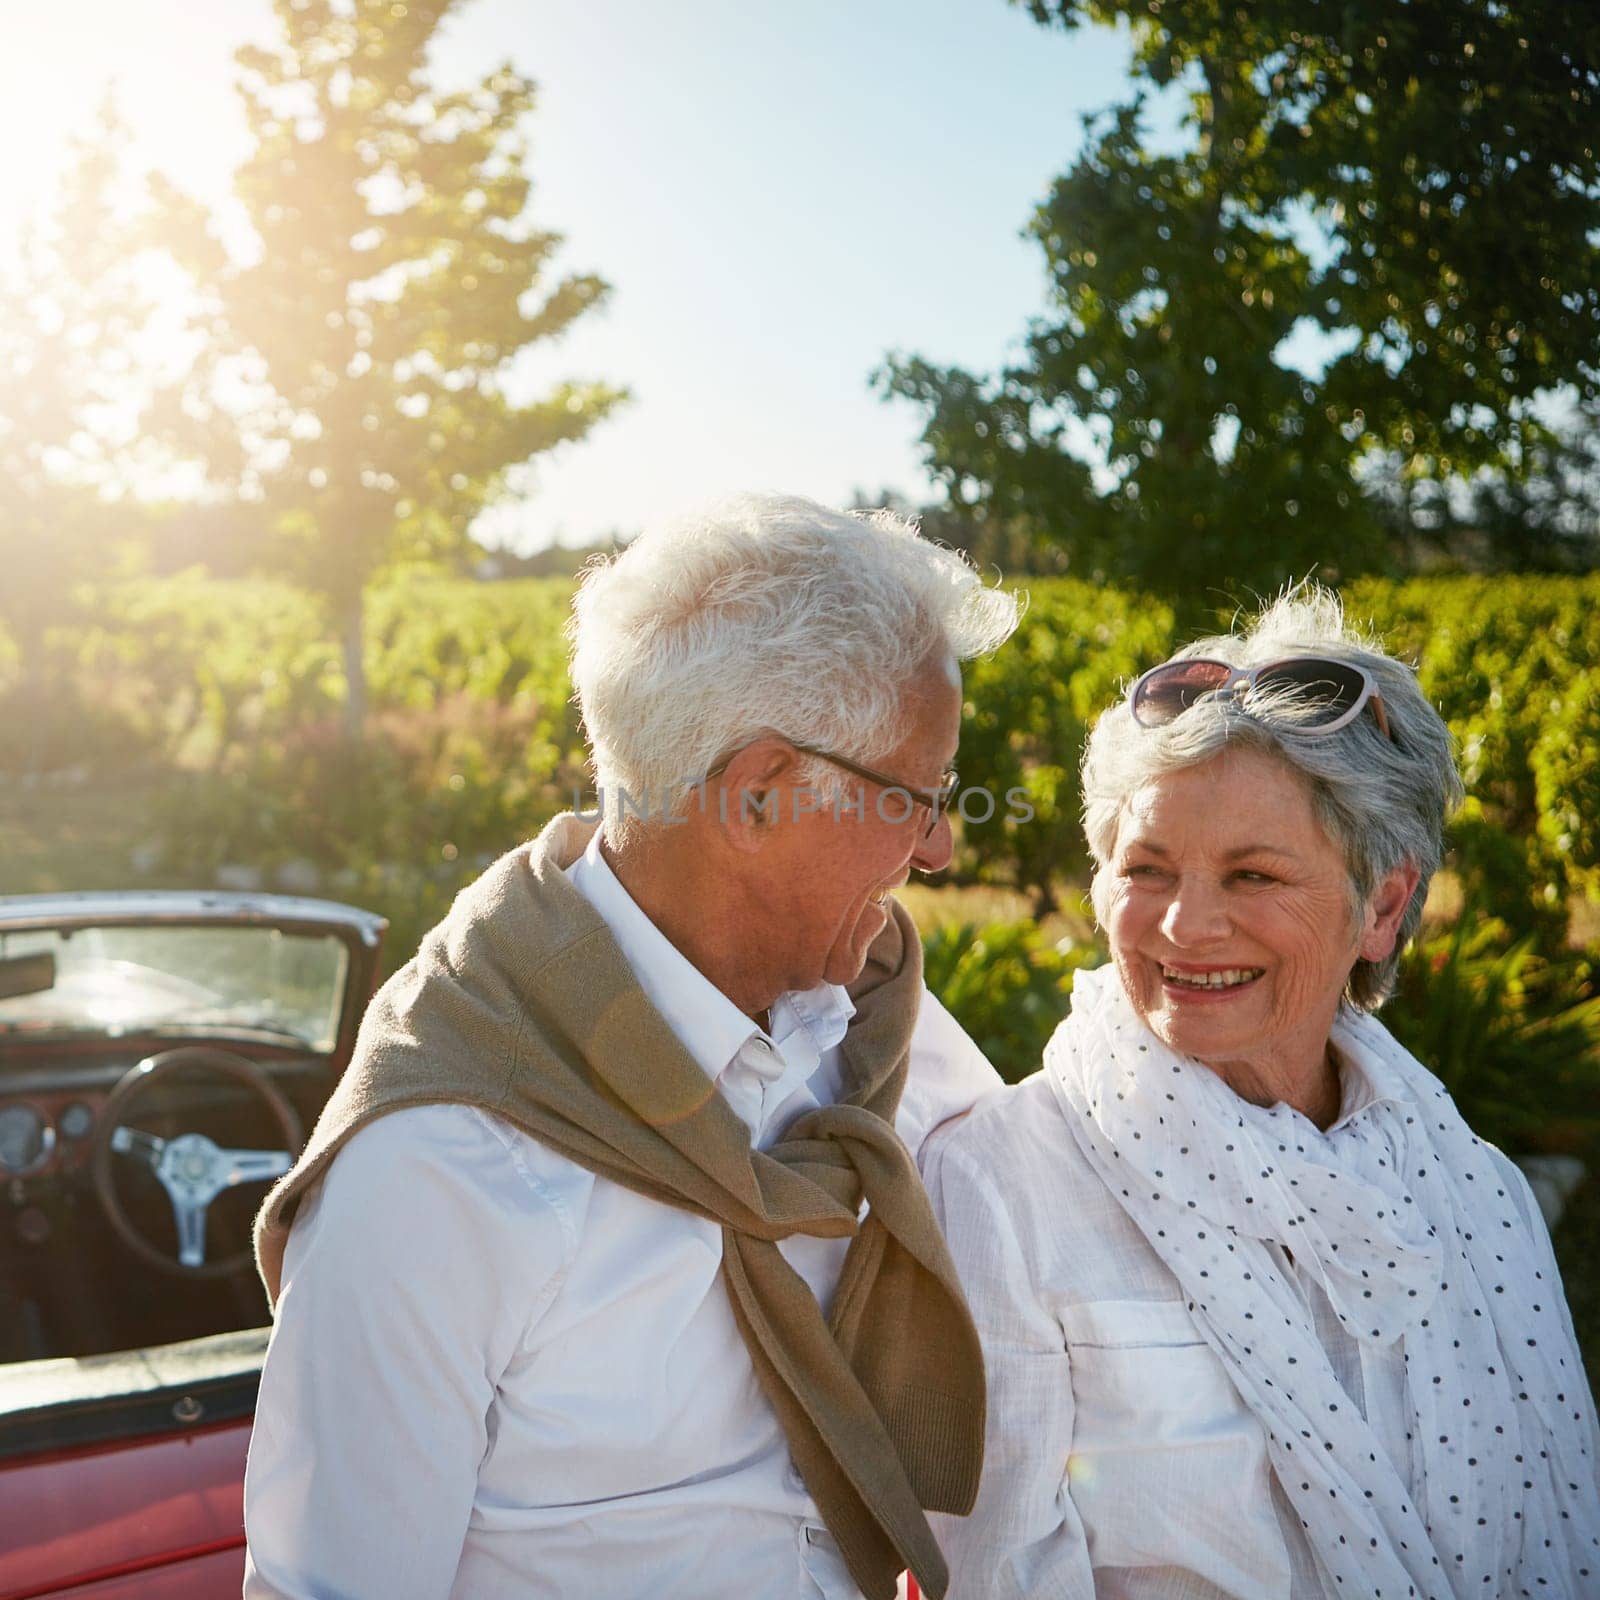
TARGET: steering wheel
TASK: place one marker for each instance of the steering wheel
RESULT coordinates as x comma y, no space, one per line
191,1168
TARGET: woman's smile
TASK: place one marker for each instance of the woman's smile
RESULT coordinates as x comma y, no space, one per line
1189,985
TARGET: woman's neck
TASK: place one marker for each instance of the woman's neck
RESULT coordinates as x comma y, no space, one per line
1316,1092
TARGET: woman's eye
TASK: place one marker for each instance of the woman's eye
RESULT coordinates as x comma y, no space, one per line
1141,870
1250,876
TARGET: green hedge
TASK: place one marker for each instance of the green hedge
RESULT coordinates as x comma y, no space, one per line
475,738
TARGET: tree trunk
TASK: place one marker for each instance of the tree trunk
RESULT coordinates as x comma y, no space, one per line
30,661
1045,901
351,632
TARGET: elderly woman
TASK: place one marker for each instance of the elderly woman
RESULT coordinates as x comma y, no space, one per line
1262,1316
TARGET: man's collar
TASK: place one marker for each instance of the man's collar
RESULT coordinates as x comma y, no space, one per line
711,1028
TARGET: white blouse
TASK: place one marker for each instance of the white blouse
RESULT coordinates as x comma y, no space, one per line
1121,1461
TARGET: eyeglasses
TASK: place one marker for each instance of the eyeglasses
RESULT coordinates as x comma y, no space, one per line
1332,692
935,800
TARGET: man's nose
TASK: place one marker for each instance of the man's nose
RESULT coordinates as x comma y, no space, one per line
933,850
1195,915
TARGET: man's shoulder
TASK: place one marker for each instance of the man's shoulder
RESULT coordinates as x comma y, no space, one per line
428,1207
463,1149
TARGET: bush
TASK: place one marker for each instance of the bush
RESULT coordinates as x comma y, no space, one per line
1006,985
1509,662
1566,781
462,780
431,639
207,669
51,728
474,737
1030,707
1514,1035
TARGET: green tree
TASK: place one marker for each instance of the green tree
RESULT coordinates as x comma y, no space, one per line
396,280
75,302
1546,516
1418,184
1542,517
988,544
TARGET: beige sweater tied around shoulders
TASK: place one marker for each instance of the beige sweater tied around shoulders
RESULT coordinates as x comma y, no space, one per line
521,1002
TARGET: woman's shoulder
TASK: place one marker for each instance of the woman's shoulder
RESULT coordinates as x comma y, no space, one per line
1016,1144
1007,1120
1024,1209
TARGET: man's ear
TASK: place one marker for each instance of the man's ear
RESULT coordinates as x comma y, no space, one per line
1381,925
747,796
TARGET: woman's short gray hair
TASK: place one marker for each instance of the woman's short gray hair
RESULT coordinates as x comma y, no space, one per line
1383,802
765,614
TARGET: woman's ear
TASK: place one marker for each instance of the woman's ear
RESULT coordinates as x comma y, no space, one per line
1381,924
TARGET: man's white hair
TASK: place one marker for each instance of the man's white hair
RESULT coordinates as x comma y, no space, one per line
765,614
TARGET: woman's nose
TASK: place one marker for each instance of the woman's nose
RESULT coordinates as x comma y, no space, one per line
1195,915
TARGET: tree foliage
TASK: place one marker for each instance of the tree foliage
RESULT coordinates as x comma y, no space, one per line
396,281
1543,517
73,306
987,543
1418,185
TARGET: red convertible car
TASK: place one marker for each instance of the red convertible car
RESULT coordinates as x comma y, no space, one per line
160,1055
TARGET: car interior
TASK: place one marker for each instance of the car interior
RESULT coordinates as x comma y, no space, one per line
160,1060
71,1283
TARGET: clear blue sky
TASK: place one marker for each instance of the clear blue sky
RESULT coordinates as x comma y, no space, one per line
778,194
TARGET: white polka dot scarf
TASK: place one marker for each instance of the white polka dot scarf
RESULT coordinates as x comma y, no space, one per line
1407,1223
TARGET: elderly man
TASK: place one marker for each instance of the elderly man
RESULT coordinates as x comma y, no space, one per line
606,1271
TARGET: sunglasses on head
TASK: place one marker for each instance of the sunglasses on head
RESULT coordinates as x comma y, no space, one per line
1329,695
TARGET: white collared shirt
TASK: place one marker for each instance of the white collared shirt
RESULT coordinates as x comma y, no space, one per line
1120,1458
495,1374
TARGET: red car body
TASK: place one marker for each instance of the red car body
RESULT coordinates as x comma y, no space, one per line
122,1469
160,1516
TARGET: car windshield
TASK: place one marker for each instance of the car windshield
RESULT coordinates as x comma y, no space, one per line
249,982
